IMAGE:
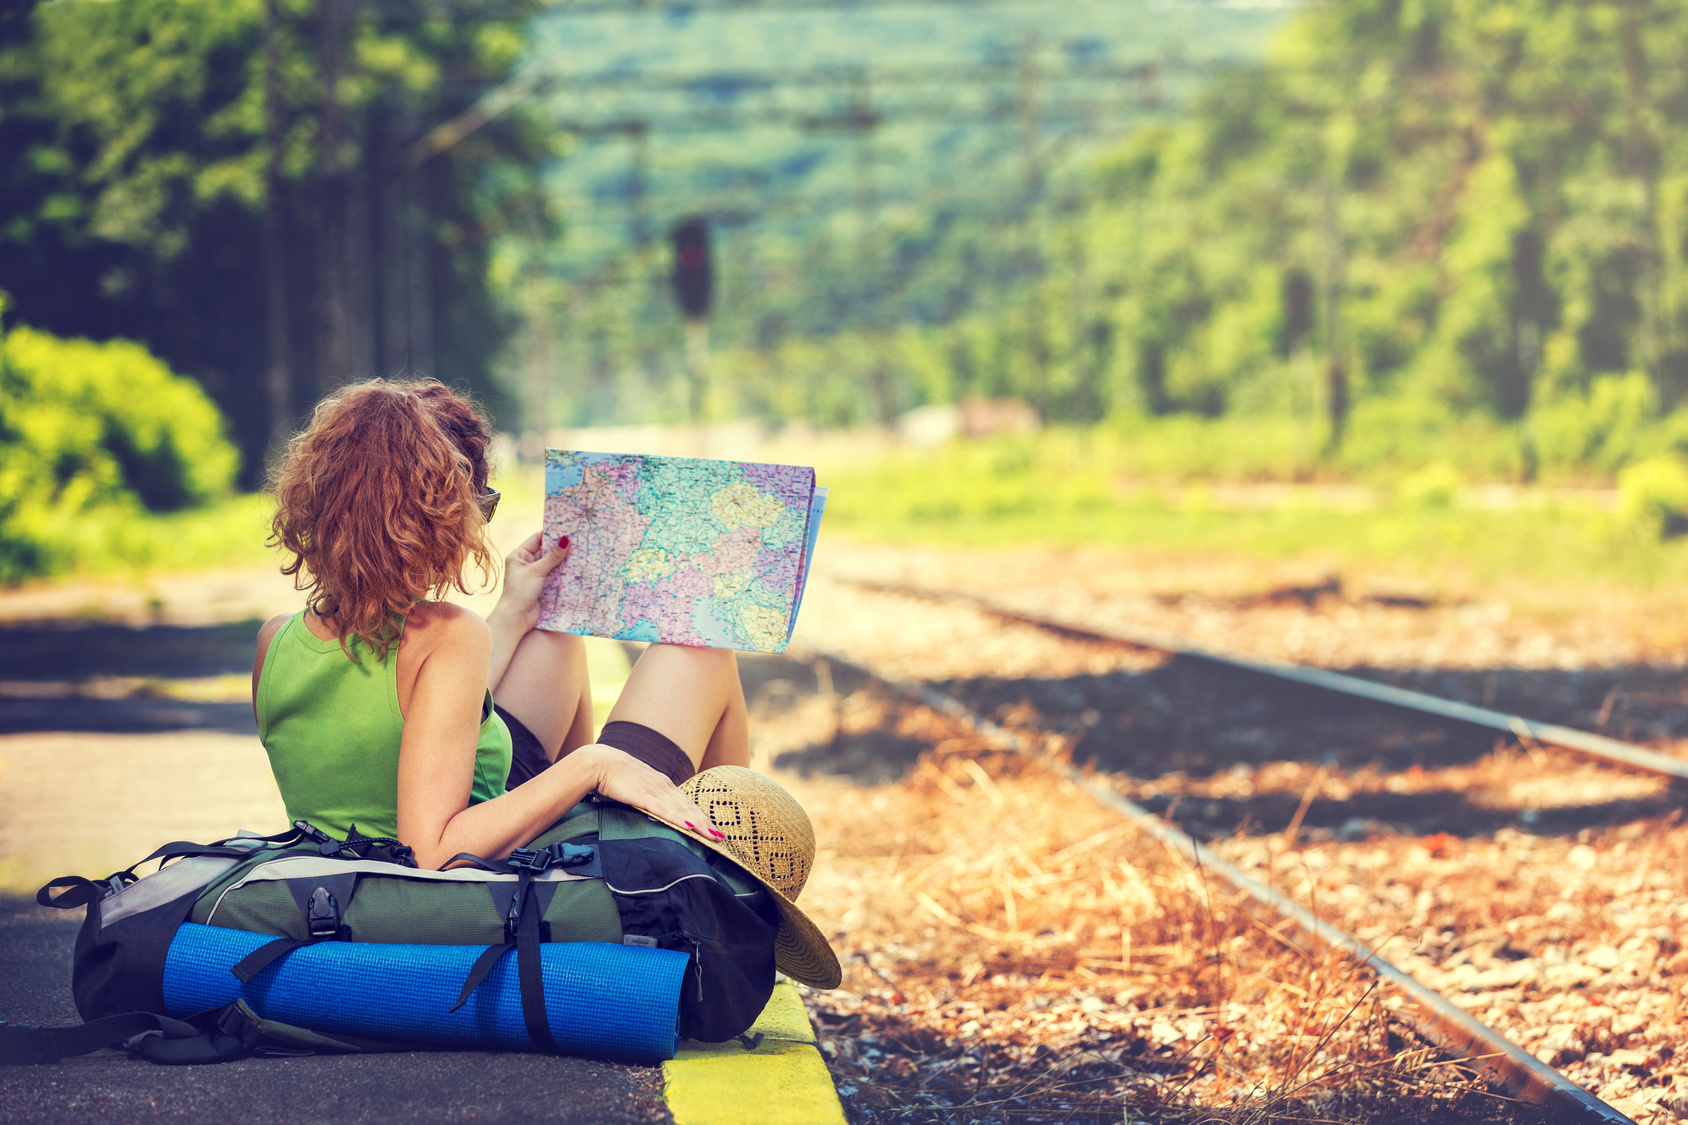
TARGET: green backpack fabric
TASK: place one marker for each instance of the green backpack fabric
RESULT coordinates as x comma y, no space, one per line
604,873
381,901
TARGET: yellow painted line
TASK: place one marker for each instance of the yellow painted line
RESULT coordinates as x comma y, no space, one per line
782,1081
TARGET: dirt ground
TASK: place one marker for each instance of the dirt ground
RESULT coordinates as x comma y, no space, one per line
1015,953
1537,889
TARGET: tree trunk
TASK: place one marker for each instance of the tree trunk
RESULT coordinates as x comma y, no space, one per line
333,350
278,373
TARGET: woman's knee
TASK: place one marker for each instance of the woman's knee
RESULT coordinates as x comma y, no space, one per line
708,659
558,644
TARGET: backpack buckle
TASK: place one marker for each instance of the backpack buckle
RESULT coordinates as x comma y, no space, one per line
573,855
311,832
527,859
322,915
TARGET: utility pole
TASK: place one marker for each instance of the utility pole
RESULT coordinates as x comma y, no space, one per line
1641,160
638,174
639,235
1037,343
862,120
1029,123
694,288
333,357
1336,347
278,374
542,364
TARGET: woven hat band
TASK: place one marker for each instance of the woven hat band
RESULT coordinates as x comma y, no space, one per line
764,825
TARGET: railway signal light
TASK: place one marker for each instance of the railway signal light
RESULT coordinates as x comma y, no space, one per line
694,282
1298,309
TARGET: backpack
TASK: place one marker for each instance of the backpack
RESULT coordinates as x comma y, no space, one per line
605,873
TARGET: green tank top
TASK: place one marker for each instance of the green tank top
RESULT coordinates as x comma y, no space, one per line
331,727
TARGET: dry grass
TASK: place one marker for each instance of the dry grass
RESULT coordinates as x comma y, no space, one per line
1568,945
1015,953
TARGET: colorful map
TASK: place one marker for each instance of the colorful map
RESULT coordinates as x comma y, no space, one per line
678,549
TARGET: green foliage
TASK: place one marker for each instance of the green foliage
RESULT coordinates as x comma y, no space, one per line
93,436
1434,486
1079,489
125,540
133,186
1006,482
1485,200
1653,495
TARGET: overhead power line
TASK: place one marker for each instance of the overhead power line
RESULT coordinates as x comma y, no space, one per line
545,77
476,11
844,120
1007,70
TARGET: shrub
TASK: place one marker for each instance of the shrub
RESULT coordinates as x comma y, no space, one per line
1434,486
1614,424
1653,494
96,431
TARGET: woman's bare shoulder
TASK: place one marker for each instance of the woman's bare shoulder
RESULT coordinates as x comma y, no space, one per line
266,634
441,623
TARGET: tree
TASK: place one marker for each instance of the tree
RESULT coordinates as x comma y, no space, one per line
135,143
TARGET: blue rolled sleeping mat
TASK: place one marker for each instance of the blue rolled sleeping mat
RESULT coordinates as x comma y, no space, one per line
610,1001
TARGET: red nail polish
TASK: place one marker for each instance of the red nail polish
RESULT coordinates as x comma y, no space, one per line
563,542
692,826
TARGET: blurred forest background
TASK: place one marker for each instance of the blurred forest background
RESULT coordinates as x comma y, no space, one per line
1424,246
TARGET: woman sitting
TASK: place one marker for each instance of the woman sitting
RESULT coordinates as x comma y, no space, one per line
376,703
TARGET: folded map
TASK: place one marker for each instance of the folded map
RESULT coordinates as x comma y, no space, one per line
679,549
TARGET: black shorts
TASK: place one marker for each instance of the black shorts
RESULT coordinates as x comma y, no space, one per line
528,760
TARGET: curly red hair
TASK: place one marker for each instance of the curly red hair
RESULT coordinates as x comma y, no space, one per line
377,503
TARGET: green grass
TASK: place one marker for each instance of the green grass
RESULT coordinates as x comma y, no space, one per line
1076,490
1128,490
228,532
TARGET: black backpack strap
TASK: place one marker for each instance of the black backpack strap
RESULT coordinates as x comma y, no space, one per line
478,972
178,849
301,830
530,969
22,1044
476,861
77,891
583,858
261,958
521,931
209,1047
74,890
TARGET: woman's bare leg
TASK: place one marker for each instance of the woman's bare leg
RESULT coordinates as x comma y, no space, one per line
729,745
692,695
546,686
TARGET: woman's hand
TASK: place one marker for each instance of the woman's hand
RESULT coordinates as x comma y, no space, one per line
622,777
525,571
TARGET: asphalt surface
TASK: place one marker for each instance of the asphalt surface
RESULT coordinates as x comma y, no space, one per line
422,1086
155,767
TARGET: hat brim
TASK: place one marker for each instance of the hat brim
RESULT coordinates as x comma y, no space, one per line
801,951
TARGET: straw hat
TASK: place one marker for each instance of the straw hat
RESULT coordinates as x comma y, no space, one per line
769,835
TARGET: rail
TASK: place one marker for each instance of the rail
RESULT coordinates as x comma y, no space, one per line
1463,1038
1525,730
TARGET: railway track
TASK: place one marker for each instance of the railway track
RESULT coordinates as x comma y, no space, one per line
1459,1034
1527,731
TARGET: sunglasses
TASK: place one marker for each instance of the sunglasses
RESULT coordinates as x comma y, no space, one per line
488,501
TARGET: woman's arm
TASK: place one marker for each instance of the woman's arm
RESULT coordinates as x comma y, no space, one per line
517,610
437,764
266,634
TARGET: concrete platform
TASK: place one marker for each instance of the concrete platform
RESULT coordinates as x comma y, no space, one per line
420,1086
88,785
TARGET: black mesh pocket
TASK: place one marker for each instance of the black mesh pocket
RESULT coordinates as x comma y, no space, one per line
666,892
